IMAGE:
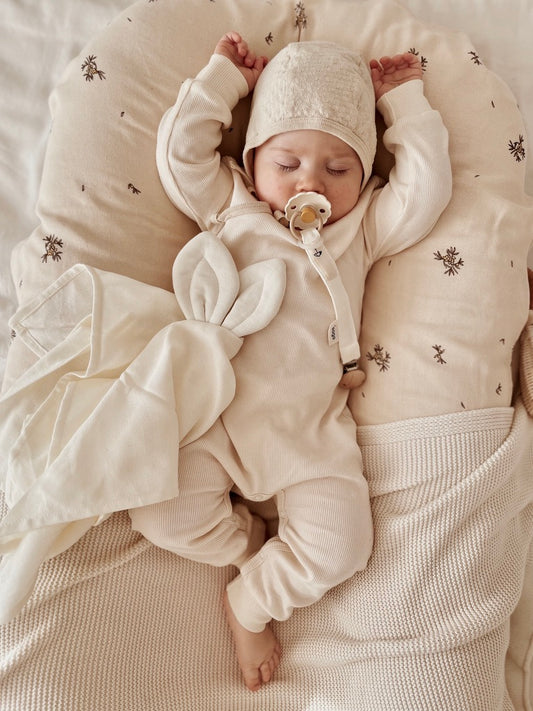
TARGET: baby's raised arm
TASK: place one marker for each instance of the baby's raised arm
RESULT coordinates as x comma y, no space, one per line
232,46
390,72
193,175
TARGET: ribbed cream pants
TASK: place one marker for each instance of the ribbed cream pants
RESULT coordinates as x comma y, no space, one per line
324,534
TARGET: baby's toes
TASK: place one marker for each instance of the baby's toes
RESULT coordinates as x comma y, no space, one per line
266,670
252,678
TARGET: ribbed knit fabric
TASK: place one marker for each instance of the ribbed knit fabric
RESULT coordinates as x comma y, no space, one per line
116,624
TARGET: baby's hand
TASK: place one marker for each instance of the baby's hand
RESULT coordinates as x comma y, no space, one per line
390,72
236,49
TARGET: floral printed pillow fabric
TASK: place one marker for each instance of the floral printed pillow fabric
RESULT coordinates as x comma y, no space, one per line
440,320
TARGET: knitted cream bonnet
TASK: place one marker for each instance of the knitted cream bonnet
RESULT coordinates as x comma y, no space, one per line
315,85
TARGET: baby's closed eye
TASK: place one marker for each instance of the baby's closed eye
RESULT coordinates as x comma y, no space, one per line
285,167
337,171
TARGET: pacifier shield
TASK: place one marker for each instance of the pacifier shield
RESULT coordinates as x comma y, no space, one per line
308,210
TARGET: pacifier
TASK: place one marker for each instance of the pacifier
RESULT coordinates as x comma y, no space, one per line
307,211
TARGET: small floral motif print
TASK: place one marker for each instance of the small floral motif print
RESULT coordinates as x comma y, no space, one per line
451,260
499,389
439,353
380,357
517,149
53,248
423,60
474,56
301,18
90,69
133,189
269,38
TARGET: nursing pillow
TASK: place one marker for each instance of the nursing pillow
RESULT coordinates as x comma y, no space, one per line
439,320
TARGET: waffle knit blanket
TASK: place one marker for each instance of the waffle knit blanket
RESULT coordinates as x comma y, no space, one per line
115,623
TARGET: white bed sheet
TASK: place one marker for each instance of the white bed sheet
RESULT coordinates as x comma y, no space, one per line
38,39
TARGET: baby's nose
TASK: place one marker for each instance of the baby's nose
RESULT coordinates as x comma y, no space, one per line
310,182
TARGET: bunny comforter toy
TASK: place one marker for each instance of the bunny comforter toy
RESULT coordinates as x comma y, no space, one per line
137,374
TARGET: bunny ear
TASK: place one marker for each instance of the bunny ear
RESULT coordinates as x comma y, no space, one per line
205,279
262,291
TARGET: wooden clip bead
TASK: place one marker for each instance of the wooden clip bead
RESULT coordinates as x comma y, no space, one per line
352,377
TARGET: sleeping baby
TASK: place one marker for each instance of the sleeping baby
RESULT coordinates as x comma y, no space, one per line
306,194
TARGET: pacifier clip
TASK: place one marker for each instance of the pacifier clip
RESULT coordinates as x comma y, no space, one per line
306,214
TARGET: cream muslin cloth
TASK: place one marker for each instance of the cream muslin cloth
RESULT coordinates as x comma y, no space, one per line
127,373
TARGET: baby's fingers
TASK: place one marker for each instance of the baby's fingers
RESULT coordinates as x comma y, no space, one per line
406,60
240,46
249,58
260,63
233,37
398,61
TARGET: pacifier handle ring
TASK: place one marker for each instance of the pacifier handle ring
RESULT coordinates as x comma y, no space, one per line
297,234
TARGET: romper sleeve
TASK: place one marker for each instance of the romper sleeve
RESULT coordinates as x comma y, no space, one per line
420,182
190,167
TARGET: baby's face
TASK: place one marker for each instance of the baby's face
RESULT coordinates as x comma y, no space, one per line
308,160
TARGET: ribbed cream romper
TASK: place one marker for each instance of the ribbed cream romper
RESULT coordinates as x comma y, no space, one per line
288,433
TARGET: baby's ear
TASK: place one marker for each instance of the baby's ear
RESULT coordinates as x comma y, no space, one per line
205,279
261,293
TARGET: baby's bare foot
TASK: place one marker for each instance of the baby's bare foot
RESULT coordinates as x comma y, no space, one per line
258,653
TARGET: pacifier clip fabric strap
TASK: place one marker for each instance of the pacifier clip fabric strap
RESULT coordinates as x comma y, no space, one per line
306,214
